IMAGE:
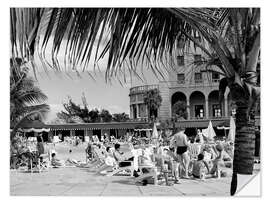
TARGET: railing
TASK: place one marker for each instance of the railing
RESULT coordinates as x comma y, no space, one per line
144,88
188,83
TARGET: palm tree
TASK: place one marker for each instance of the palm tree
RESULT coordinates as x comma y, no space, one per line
26,99
153,100
179,109
149,35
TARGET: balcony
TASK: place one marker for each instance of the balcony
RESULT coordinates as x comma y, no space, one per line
194,83
142,89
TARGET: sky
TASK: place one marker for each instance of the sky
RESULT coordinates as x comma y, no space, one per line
99,94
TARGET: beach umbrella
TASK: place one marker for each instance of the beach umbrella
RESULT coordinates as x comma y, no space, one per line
209,132
231,135
154,134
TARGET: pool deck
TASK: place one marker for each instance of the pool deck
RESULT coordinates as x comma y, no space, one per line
82,182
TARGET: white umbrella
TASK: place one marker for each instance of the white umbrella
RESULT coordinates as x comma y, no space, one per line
231,135
209,132
155,134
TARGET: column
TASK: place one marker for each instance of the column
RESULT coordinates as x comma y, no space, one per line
226,107
137,107
146,111
90,134
188,109
206,109
131,112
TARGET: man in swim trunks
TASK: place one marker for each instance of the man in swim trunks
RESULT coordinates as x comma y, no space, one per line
181,144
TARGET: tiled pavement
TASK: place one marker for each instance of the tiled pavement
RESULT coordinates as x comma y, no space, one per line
81,182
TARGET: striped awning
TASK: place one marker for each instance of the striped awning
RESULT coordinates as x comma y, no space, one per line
202,123
99,126
38,130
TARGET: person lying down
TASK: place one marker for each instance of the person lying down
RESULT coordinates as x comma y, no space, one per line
56,163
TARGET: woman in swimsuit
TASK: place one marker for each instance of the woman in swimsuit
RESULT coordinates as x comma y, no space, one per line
182,144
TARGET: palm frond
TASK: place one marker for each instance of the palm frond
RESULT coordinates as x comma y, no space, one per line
129,35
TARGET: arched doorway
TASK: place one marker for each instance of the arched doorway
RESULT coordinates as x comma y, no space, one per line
216,110
179,105
197,105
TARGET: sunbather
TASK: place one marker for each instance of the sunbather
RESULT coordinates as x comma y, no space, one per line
218,162
200,167
56,162
109,163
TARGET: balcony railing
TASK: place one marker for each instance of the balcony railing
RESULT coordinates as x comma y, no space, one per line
144,88
197,83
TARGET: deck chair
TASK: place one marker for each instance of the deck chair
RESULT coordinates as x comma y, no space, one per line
194,151
129,168
98,159
119,169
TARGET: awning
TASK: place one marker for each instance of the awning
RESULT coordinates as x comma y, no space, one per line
99,126
34,126
35,130
201,123
143,129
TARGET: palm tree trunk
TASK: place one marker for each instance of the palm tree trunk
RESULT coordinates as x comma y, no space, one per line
244,149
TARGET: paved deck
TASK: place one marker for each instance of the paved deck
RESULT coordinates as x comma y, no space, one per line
82,182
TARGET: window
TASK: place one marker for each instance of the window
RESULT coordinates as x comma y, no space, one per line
142,110
180,60
199,112
132,98
198,77
216,111
197,58
181,43
181,78
134,111
215,77
139,97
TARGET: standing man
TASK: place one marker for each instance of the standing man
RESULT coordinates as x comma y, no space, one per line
181,144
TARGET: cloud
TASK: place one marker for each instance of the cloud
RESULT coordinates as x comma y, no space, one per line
117,109
54,109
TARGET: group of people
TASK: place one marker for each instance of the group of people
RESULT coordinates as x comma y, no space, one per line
211,160
150,160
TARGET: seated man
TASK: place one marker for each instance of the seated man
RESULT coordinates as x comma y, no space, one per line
120,156
200,167
123,160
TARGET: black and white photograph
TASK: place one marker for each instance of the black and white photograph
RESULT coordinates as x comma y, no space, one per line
134,101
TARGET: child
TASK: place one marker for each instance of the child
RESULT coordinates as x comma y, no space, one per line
175,164
199,167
